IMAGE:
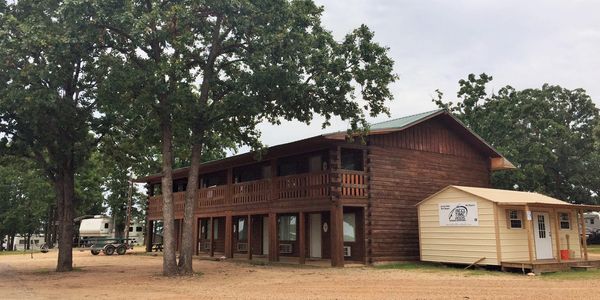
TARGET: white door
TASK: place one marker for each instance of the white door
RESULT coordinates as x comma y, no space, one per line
265,235
542,236
315,235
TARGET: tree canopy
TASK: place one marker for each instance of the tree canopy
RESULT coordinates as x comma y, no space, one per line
547,132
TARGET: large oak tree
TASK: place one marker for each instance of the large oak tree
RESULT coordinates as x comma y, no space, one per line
210,71
47,97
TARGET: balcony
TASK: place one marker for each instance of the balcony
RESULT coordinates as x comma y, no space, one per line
269,192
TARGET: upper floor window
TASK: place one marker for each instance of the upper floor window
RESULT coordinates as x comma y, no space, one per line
352,159
213,179
515,219
565,220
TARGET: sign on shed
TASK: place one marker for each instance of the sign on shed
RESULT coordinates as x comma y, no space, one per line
459,214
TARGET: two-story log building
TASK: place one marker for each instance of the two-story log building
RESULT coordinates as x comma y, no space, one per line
326,198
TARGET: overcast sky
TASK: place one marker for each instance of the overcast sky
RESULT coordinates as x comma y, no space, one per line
436,43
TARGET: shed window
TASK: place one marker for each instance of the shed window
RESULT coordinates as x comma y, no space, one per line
565,221
515,219
287,228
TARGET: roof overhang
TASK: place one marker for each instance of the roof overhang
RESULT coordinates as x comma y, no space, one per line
584,207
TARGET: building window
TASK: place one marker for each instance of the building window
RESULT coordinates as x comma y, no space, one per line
592,221
242,230
138,229
352,159
130,229
216,234
105,225
287,228
565,220
515,219
350,227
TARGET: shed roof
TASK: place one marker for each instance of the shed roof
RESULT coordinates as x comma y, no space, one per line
508,197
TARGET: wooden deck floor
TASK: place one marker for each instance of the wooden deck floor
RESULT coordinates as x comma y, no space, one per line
549,265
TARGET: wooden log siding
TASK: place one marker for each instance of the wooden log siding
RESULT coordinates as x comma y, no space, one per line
405,168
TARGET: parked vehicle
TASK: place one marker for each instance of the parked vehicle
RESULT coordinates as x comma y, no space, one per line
101,226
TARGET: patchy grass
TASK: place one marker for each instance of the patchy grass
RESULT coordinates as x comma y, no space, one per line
413,266
594,249
18,252
573,275
436,267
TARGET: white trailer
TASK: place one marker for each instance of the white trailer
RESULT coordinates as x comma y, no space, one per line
592,222
101,226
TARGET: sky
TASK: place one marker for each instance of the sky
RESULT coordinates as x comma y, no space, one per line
436,43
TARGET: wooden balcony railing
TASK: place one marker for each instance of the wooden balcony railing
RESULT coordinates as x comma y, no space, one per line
304,186
353,183
311,185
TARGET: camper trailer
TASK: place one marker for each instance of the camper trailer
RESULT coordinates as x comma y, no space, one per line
101,226
592,226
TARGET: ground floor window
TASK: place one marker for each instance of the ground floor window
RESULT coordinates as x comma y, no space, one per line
242,230
287,228
350,227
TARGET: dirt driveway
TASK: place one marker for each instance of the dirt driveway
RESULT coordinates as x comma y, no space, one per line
138,276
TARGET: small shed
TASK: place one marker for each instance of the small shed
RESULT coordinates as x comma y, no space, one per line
465,225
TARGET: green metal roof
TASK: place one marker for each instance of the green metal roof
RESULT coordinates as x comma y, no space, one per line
404,121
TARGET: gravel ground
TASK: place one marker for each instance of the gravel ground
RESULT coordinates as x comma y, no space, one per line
138,276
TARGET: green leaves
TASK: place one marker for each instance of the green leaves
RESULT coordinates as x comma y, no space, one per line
548,133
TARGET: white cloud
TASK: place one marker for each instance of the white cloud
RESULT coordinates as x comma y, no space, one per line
436,43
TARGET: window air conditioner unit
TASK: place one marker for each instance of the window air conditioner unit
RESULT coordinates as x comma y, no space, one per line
285,248
242,246
347,251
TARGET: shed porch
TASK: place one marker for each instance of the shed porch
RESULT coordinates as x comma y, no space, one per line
550,265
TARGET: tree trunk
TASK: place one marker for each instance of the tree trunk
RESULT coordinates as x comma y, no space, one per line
27,241
169,256
65,192
187,247
11,243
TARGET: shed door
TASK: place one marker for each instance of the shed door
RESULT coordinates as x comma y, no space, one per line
542,236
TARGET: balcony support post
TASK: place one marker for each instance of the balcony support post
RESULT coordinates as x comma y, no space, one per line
249,231
273,238
337,234
301,239
149,235
212,237
229,235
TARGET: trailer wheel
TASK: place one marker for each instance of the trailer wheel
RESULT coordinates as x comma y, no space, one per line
109,250
121,250
95,252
